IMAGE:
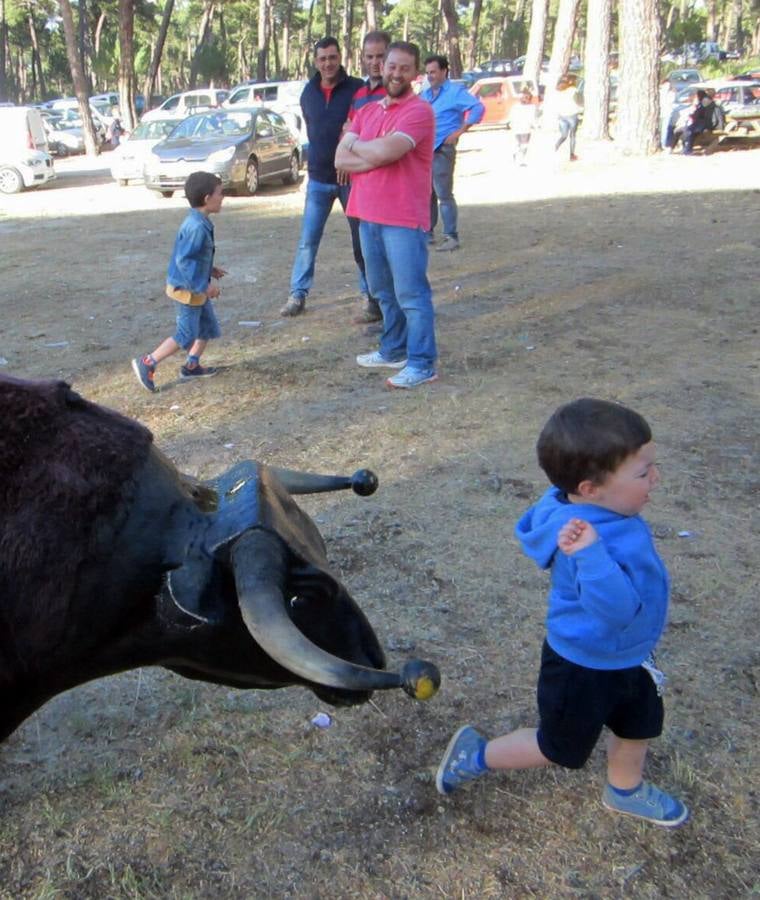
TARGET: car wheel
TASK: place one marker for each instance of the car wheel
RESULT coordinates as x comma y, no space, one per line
167,194
11,181
251,183
292,176
61,150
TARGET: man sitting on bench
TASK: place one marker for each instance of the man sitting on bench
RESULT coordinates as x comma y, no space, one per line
707,115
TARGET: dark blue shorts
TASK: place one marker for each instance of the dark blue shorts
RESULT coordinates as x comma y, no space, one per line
575,703
195,323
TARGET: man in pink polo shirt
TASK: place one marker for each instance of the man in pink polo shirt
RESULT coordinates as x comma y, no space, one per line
388,150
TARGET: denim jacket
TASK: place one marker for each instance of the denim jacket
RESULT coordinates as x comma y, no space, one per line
193,255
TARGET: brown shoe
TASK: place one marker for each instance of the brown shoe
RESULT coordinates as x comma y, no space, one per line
370,312
294,306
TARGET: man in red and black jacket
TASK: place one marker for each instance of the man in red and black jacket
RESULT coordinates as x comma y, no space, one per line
325,102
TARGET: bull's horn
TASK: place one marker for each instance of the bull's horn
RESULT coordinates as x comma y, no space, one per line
362,482
259,561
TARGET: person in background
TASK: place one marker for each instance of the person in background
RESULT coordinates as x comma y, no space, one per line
374,48
522,121
707,115
456,110
325,102
568,111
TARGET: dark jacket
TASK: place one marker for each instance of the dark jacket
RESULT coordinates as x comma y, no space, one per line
709,117
325,121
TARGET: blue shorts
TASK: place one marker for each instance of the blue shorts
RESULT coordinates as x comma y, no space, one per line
575,703
195,323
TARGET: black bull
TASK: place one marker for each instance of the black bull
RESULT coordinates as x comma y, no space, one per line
110,560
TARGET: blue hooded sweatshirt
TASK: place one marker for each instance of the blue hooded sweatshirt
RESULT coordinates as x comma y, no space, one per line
608,602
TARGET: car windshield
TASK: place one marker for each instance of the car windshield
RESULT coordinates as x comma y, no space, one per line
152,131
209,125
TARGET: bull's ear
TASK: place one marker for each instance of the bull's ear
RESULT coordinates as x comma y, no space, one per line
69,397
189,564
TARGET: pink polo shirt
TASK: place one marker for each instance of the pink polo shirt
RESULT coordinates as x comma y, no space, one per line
397,194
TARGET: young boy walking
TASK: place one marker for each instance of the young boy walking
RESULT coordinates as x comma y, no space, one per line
188,283
607,609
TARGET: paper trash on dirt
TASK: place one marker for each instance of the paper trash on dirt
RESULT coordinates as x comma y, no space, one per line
322,720
250,323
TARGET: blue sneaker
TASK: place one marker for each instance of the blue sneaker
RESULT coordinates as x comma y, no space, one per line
411,378
144,372
460,761
649,803
187,374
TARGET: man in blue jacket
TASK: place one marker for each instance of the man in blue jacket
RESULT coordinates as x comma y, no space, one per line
325,102
455,110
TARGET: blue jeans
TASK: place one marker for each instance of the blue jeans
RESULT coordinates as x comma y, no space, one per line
195,323
568,126
320,198
396,261
444,160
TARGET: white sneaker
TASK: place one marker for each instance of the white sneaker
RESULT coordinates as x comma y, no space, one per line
375,361
448,243
411,378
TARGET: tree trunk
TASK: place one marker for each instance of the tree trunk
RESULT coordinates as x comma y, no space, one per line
535,53
286,39
712,20
472,47
734,37
755,13
4,93
99,31
149,88
91,143
638,106
85,46
262,41
347,27
275,46
39,77
449,10
328,17
596,91
562,47
127,64
304,69
370,14
204,30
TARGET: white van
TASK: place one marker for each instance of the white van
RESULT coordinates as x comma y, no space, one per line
284,97
24,158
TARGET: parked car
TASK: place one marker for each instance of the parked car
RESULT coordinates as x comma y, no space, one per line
155,101
680,79
244,147
63,139
178,106
749,75
129,158
498,96
24,158
496,67
111,98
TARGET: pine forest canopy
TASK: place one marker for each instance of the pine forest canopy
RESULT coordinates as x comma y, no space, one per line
223,43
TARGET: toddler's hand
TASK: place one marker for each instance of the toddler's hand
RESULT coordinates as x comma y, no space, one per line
213,291
216,272
575,535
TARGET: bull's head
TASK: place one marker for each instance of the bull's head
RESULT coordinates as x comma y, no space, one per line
249,529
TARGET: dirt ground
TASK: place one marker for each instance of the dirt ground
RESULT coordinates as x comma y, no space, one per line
634,280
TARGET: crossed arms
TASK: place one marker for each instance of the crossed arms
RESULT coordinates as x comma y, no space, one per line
354,155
